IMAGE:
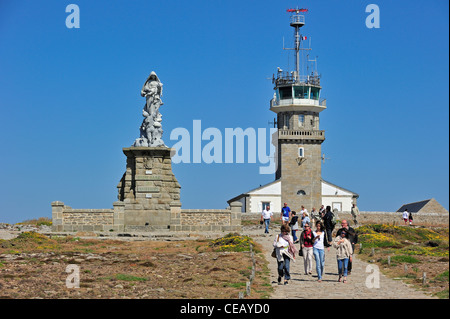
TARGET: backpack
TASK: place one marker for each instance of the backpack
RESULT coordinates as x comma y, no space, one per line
333,220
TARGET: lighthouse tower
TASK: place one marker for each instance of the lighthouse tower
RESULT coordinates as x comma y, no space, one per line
297,102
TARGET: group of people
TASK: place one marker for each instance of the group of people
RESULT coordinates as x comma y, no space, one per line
312,243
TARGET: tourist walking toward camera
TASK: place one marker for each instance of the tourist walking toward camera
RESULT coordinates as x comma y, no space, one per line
344,254
306,245
266,216
285,253
318,249
285,214
305,219
352,236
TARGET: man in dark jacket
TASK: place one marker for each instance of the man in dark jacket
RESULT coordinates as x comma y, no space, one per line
352,237
328,223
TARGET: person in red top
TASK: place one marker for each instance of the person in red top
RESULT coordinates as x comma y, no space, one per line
306,245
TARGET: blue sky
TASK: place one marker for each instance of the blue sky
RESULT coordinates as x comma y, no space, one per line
70,98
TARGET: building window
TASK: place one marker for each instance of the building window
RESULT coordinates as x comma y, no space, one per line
265,204
337,206
301,192
301,152
286,121
301,120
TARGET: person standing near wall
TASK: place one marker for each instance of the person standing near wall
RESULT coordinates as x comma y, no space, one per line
410,217
266,216
405,216
355,214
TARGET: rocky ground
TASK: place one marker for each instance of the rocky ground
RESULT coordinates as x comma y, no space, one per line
35,265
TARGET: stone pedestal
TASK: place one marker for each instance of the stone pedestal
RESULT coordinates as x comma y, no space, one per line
148,189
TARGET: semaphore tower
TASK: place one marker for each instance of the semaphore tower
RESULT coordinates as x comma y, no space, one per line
297,102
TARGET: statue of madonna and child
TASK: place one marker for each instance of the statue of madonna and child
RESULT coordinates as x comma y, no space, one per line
151,128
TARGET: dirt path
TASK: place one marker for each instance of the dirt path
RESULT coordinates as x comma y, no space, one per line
303,286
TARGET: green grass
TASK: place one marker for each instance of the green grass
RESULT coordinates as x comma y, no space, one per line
235,284
404,259
443,276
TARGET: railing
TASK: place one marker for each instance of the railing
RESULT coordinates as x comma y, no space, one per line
301,134
284,77
297,19
306,102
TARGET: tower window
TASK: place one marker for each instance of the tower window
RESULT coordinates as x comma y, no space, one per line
301,152
286,121
301,192
301,92
315,93
301,120
285,93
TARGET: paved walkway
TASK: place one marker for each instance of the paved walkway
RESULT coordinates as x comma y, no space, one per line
303,286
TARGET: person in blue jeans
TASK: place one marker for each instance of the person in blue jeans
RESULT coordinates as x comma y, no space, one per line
344,252
318,249
285,252
266,216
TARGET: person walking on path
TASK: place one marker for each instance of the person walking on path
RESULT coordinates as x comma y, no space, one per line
285,214
305,219
318,249
410,217
405,216
285,252
329,226
294,226
355,214
314,216
344,254
266,216
306,245
352,237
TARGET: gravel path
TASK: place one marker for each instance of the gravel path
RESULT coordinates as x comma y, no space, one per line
303,286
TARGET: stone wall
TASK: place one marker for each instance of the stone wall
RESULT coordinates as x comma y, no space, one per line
64,218
366,217
432,219
215,220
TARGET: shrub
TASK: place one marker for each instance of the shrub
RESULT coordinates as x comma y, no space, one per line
232,242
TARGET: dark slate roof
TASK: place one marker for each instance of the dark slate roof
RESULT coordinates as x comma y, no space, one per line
414,207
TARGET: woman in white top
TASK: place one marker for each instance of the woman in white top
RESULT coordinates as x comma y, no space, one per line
285,251
318,249
405,216
344,253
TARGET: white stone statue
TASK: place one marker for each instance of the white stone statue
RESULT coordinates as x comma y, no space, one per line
151,128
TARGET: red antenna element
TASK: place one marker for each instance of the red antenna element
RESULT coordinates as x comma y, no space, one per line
297,10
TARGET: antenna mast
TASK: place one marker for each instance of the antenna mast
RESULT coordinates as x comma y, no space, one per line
297,21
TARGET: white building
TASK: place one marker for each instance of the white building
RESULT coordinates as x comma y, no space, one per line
255,200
